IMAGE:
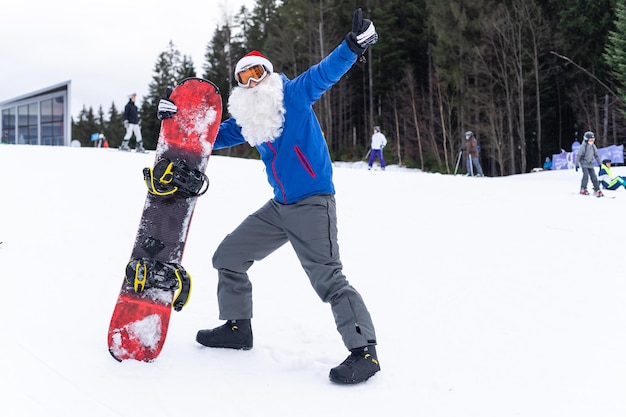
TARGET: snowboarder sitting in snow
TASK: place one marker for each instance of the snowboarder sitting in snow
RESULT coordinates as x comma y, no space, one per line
275,115
607,179
587,153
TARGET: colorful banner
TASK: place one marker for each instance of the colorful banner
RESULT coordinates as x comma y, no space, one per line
567,160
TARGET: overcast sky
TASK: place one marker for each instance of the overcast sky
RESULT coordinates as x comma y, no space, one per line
107,48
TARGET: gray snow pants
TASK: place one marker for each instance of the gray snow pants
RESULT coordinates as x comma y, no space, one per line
311,227
589,173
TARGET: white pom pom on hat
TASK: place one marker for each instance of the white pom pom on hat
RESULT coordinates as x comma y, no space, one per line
253,58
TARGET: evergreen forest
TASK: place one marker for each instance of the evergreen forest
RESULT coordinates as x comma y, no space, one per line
528,77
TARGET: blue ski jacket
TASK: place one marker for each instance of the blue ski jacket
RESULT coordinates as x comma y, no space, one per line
298,163
608,180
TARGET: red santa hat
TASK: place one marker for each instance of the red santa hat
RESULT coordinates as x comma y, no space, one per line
251,59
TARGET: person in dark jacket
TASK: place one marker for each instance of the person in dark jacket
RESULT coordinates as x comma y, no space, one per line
131,123
587,153
275,115
471,150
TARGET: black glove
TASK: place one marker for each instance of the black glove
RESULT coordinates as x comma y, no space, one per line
166,108
363,33
576,168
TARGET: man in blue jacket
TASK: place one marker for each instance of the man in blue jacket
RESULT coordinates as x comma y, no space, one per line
275,115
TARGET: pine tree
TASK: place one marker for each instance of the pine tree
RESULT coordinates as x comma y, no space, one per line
615,52
85,126
167,73
114,128
187,68
221,56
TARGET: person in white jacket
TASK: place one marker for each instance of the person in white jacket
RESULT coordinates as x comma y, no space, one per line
378,143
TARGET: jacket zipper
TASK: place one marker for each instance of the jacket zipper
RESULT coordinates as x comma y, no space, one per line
304,162
275,174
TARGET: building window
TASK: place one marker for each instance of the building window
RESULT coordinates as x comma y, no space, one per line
27,125
52,112
8,125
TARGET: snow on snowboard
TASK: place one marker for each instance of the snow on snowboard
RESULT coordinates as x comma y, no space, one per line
154,281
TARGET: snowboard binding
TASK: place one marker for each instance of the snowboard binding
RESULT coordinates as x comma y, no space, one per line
175,178
142,274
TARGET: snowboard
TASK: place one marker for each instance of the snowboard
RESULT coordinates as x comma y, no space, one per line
154,280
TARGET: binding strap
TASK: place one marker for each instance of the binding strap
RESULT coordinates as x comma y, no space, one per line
175,178
142,274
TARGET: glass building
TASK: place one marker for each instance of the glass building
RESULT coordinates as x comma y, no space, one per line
38,118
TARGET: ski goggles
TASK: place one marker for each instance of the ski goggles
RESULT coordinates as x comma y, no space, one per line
255,73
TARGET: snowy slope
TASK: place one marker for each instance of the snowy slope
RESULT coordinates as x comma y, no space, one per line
491,297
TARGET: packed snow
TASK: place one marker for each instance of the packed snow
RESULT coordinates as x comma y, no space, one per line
491,297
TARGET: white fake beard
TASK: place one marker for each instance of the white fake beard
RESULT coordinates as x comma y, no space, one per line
259,110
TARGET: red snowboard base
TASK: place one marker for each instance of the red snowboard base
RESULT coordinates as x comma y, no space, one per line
138,339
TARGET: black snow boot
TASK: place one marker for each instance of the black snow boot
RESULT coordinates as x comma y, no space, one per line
358,367
234,334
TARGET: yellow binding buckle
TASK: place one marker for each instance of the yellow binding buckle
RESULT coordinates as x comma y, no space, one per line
163,173
168,178
143,274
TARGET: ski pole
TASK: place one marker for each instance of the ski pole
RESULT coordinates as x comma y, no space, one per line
458,161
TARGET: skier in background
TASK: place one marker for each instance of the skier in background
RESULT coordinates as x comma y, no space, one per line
378,143
547,164
131,123
101,142
585,156
275,115
471,149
